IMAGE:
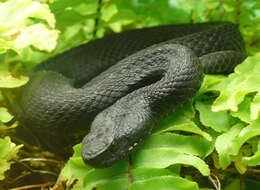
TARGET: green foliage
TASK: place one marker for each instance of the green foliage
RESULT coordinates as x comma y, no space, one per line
7,152
17,29
218,129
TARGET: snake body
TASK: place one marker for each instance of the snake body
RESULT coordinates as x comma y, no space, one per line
119,87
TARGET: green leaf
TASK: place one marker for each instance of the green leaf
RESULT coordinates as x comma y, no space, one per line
253,160
228,144
165,157
165,182
224,145
5,116
193,145
219,121
208,84
243,112
179,122
255,107
75,167
70,17
37,35
141,174
8,81
7,152
246,133
60,5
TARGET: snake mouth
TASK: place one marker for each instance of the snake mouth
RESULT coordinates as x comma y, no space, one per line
99,153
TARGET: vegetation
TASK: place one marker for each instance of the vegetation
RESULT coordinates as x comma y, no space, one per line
213,142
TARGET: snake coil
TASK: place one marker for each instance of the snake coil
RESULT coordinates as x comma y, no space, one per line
117,88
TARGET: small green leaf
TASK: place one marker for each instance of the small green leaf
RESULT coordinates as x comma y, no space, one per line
8,81
219,121
255,107
253,160
243,112
7,152
246,133
108,12
209,82
224,145
5,116
165,182
229,143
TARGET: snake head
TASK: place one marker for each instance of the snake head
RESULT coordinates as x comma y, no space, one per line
114,133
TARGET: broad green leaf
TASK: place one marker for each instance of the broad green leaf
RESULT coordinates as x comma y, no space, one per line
9,81
5,116
165,157
193,145
140,174
165,182
219,121
115,184
7,152
101,177
179,122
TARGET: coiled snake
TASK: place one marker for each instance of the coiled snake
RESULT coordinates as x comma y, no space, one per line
120,86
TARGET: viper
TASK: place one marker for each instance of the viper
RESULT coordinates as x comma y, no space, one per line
115,90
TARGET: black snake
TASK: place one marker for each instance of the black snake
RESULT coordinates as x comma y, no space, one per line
120,86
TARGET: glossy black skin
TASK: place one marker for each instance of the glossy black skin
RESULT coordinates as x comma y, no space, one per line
120,86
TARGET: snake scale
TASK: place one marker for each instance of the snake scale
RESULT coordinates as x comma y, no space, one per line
116,89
